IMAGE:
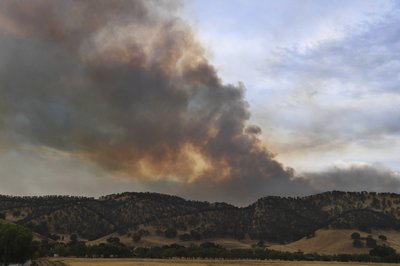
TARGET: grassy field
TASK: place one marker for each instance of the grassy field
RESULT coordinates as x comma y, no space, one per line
141,262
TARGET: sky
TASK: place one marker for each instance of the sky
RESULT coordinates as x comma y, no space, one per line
227,100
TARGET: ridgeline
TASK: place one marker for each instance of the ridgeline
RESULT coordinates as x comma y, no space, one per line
141,215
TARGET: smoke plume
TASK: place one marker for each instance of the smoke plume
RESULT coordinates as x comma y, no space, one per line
125,84
356,177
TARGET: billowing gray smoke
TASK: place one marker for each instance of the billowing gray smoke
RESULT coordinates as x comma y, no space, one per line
126,85
356,177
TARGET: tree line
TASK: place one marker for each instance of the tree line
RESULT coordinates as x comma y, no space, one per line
17,246
113,248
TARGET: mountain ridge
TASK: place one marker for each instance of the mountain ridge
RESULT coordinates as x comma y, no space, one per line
137,215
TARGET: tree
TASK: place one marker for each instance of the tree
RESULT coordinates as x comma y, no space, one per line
113,240
185,237
209,245
382,251
355,235
15,243
73,238
79,249
376,203
136,237
357,243
195,235
382,237
170,233
370,242
261,243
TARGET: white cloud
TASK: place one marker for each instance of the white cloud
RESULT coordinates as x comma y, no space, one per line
243,34
339,98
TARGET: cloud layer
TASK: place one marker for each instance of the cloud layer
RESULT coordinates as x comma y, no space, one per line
338,99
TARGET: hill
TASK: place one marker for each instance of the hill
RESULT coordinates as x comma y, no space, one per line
155,219
338,241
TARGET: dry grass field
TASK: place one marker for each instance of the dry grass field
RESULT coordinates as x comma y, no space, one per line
141,262
335,241
325,241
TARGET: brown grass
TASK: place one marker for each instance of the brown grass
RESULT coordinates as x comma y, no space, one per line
335,241
148,262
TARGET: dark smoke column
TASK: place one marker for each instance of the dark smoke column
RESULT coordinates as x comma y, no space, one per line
126,85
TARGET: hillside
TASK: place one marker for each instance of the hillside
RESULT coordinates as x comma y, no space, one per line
154,219
338,241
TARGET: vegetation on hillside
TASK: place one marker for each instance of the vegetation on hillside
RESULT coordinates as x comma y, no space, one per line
67,223
274,219
113,248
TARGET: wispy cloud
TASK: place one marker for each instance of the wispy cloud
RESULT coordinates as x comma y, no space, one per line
338,94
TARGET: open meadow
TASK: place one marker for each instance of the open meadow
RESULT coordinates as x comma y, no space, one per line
148,262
